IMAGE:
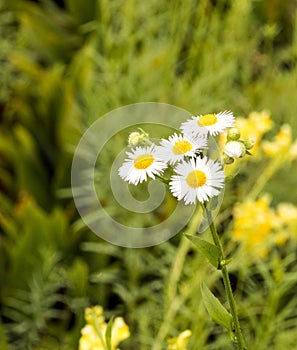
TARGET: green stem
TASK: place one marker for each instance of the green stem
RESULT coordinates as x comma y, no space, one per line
239,338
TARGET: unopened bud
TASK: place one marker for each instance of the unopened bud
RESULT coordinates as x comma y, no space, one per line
227,160
249,143
233,134
134,138
235,149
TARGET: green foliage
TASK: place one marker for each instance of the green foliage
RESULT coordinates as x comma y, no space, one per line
8,39
108,334
64,66
42,285
209,250
82,11
215,309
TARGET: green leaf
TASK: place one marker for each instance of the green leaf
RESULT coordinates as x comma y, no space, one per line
215,309
207,249
108,333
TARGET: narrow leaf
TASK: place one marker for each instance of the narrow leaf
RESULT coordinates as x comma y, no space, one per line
209,250
215,309
108,333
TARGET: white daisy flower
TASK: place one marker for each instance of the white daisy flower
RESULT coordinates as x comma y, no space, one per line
197,180
213,124
177,146
141,163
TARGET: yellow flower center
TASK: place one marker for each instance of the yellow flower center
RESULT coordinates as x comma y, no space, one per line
196,178
207,120
181,147
143,161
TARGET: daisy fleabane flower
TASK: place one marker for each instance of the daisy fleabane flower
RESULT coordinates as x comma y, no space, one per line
197,180
235,149
142,162
212,124
178,146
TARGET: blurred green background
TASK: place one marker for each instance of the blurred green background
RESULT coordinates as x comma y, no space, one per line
65,63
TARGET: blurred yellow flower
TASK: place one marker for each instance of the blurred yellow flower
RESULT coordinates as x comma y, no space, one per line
261,120
93,333
282,142
258,226
257,124
94,313
253,223
181,342
287,212
90,340
120,332
293,150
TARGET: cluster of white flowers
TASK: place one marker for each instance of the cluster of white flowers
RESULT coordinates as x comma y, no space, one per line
195,178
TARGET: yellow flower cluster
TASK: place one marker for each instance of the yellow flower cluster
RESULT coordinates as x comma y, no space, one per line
254,126
93,333
282,144
257,124
181,342
258,226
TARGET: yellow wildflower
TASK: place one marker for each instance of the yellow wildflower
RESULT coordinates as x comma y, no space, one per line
282,142
258,226
287,212
93,333
181,342
253,223
261,121
120,331
90,339
94,313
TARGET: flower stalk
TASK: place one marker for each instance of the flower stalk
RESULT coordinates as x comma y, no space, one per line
238,337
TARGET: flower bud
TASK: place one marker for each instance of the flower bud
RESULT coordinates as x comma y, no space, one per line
134,138
249,142
233,134
227,160
235,149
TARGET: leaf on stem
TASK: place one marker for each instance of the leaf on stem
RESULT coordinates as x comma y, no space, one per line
209,250
215,309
